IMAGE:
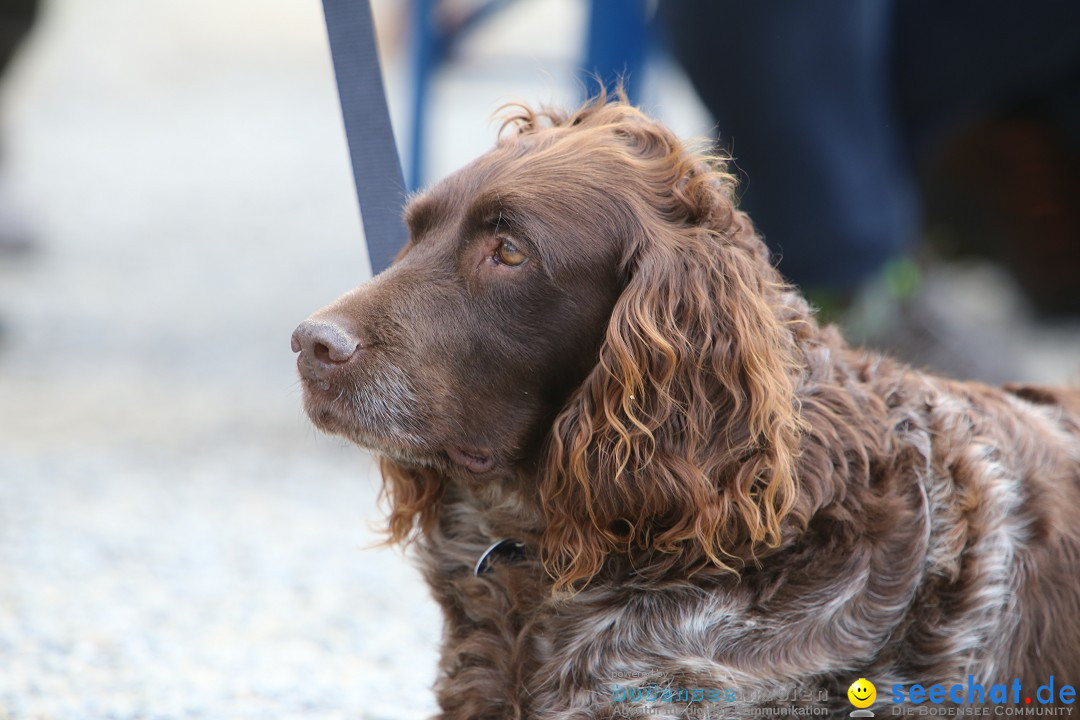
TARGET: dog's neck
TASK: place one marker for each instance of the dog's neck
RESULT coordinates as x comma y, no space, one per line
832,382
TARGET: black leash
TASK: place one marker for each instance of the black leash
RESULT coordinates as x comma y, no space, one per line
380,187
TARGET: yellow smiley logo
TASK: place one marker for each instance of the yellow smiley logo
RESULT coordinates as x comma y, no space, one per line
862,693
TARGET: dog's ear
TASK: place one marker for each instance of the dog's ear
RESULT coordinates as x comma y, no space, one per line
683,439
413,496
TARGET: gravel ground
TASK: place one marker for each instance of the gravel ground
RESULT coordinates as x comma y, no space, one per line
175,540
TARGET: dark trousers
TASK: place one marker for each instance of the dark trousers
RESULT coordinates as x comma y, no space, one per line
16,19
826,104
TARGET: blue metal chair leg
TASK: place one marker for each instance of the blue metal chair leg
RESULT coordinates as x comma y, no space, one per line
427,44
616,44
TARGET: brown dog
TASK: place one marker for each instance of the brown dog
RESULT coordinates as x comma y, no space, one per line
585,351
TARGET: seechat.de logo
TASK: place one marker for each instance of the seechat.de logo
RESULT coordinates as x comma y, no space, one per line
862,694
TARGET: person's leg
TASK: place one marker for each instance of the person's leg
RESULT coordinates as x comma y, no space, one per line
800,91
964,59
16,19
993,109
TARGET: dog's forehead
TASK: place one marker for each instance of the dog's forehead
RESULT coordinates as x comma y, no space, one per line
446,196
505,175
559,200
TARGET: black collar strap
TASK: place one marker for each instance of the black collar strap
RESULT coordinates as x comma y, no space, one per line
508,549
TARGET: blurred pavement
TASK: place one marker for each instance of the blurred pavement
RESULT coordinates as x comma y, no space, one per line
175,539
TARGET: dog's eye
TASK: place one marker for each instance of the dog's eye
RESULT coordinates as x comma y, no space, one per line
508,254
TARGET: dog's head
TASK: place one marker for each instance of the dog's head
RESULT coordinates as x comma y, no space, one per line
582,306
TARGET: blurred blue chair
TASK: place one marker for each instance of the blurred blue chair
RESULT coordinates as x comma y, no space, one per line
616,46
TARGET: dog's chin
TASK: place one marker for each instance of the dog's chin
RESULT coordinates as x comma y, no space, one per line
333,415
465,462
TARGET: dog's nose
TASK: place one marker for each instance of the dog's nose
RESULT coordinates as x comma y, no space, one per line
325,341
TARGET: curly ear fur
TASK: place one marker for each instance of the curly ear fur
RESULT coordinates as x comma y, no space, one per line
413,496
684,438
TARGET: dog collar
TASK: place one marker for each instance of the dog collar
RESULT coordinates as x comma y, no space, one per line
506,548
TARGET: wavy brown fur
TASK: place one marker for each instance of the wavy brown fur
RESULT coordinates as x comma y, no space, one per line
713,491
638,454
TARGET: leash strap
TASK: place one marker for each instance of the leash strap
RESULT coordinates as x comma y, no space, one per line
380,188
